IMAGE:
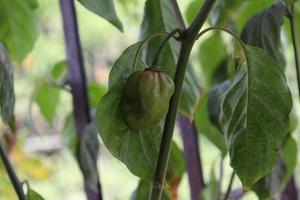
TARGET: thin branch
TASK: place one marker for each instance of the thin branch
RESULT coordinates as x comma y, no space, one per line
77,81
229,186
188,40
12,175
192,157
294,41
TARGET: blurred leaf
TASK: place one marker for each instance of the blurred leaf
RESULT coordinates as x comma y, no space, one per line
138,150
104,9
214,102
88,155
96,92
205,126
33,195
59,69
211,61
263,30
7,94
47,98
18,27
174,174
192,10
211,190
69,134
255,116
272,185
160,16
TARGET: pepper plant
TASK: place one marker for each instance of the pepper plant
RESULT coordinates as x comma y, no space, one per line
219,71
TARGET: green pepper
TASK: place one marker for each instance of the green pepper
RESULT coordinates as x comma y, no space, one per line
145,98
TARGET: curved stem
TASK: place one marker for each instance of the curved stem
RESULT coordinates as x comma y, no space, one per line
143,42
229,186
164,42
12,175
294,41
189,37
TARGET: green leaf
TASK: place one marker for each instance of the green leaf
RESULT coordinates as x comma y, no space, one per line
263,30
33,195
104,9
96,92
210,62
255,116
204,125
47,98
59,69
18,27
68,134
160,16
192,10
271,186
138,150
7,93
214,102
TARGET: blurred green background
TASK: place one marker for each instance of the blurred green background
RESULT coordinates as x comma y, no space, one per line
42,154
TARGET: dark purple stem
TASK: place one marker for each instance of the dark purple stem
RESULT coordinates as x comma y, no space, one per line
77,80
192,156
290,191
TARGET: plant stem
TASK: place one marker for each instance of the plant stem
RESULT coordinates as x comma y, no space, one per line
12,175
191,155
77,82
190,139
229,186
290,191
188,39
294,41
161,47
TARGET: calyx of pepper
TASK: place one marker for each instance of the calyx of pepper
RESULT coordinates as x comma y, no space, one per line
145,98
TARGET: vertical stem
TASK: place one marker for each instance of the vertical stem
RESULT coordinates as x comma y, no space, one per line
12,175
77,81
188,40
294,41
229,186
190,138
192,156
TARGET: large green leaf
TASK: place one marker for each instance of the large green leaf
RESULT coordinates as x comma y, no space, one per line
160,16
104,9
47,98
263,30
274,183
18,27
255,116
7,94
138,150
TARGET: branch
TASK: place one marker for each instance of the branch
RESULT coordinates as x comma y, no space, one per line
12,175
188,40
227,195
290,15
77,81
192,156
